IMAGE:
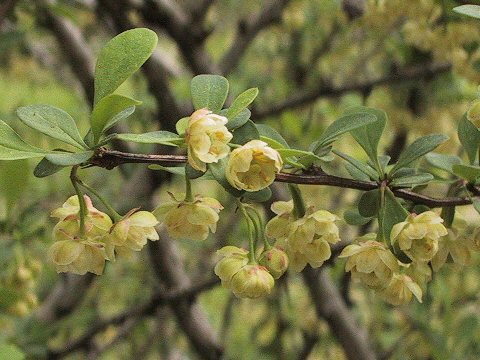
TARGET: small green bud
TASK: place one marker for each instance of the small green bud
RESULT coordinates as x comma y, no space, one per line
275,260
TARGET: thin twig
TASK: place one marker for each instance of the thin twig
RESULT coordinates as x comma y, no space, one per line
110,159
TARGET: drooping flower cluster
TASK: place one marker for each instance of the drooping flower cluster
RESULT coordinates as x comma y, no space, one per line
190,220
370,262
81,253
306,240
244,279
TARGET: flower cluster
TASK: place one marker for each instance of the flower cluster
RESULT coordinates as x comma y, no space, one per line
375,266
307,239
81,253
244,279
424,240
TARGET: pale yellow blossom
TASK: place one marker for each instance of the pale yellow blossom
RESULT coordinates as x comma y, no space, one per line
252,281
134,229
190,220
370,262
400,290
207,138
418,235
253,166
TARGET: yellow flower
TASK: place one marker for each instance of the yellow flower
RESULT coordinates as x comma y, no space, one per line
275,261
473,113
76,254
370,261
453,245
233,260
190,220
134,230
420,272
309,237
400,290
418,235
279,226
253,166
207,139
252,281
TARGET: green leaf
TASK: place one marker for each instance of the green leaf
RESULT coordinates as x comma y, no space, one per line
297,153
391,213
13,181
258,196
176,170
364,168
269,132
52,122
369,202
68,159
12,147
467,172
368,136
120,58
107,111
46,168
403,172
218,171
209,91
417,149
410,181
353,217
469,10
340,126
239,120
443,161
154,137
355,173
182,125
11,352
245,133
241,103
469,136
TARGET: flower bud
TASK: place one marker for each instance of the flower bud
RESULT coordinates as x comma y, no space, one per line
370,261
233,260
252,281
400,290
190,220
134,229
418,235
275,261
253,166
207,139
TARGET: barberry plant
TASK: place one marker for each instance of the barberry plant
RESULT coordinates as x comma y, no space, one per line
416,234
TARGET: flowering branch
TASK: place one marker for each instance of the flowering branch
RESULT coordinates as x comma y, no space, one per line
110,159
